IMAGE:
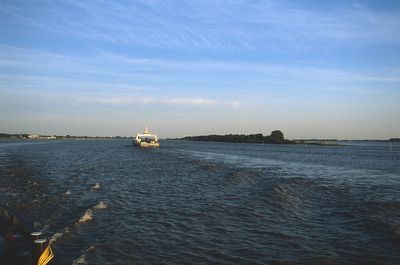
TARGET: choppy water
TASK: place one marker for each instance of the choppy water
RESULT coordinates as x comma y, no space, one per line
106,202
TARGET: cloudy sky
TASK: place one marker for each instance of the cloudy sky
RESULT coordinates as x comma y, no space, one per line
313,69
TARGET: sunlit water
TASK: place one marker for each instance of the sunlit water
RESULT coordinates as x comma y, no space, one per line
107,202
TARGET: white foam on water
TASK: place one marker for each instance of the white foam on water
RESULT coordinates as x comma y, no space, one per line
33,183
96,186
89,212
54,238
58,234
80,260
86,217
67,192
90,248
100,206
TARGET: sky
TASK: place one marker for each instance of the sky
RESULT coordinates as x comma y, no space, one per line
312,69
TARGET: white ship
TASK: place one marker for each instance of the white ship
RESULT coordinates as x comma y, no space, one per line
146,139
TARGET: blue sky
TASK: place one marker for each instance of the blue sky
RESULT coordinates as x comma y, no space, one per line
323,69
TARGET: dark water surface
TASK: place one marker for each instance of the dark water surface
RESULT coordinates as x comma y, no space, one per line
106,202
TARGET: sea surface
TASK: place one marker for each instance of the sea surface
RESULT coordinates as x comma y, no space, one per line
107,202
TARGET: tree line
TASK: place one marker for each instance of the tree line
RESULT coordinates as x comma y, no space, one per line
276,137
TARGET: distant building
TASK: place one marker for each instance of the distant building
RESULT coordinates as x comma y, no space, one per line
33,136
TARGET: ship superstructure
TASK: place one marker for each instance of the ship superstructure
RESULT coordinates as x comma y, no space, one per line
146,139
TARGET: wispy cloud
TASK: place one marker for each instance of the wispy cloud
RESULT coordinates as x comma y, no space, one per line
128,100
105,70
211,24
112,57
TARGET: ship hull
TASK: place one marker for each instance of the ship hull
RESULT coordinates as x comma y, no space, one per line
145,144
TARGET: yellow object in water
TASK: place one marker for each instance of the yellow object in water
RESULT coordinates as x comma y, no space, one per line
46,256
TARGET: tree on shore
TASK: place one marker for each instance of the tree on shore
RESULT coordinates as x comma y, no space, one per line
276,137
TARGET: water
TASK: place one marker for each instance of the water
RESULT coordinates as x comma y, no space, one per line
106,202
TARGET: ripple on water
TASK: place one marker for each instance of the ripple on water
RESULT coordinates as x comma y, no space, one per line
243,205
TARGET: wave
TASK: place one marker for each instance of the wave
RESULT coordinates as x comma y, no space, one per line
281,167
82,257
88,215
283,195
56,236
96,186
33,183
100,206
397,232
80,260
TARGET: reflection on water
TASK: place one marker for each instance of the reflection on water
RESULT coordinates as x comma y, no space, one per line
106,202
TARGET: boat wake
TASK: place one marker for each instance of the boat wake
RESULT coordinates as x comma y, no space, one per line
82,257
88,215
100,206
80,260
58,235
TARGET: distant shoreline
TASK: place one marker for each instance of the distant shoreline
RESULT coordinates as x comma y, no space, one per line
232,138
58,137
276,137
254,140
291,142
